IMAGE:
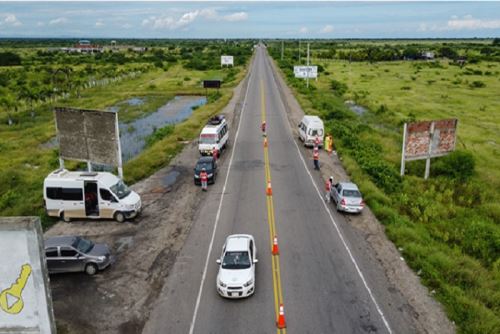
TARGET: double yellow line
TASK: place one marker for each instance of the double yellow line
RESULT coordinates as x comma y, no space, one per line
278,294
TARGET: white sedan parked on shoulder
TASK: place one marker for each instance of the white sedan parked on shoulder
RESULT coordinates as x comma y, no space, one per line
236,277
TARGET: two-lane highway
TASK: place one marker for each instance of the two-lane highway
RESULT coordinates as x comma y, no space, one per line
317,276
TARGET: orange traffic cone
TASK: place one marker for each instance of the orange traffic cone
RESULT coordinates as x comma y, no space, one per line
281,318
269,190
276,250
265,142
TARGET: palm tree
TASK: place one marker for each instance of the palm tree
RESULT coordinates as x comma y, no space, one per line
8,103
30,95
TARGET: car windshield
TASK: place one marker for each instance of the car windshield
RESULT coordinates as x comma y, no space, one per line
120,189
208,139
315,132
83,245
236,260
352,193
201,165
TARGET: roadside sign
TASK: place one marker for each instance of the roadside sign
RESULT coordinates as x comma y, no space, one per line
305,71
428,139
89,135
226,60
211,84
25,300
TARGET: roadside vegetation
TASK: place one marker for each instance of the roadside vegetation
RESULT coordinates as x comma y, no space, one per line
448,227
41,78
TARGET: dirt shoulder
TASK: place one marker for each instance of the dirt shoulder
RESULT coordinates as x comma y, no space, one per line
118,300
428,314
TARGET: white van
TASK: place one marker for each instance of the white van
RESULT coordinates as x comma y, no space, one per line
214,135
89,195
309,128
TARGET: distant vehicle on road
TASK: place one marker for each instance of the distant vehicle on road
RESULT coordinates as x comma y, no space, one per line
210,166
214,135
236,277
89,195
75,254
347,197
309,128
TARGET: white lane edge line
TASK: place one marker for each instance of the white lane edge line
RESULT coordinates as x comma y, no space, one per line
217,217
379,310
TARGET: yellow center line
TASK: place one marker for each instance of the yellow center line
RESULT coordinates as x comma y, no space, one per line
278,294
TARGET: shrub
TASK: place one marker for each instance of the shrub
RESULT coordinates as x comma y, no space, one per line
339,88
477,84
159,134
458,165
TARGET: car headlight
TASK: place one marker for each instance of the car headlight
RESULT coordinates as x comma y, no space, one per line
101,258
130,206
210,175
247,284
196,176
222,284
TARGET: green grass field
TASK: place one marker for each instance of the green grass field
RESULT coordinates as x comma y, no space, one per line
447,227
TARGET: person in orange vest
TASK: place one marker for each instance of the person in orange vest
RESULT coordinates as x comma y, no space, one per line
215,153
204,179
316,158
328,186
316,142
263,126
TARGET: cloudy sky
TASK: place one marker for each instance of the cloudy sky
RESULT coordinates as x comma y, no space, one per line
185,19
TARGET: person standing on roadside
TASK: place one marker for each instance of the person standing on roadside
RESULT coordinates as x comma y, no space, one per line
316,158
316,142
329,184
263,127
204,179
215,153
329,144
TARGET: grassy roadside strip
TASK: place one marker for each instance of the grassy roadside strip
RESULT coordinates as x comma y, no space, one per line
445,227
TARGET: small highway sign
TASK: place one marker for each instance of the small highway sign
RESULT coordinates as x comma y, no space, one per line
305,71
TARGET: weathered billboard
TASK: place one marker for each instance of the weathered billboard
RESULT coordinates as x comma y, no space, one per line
429,139
88,135
25,300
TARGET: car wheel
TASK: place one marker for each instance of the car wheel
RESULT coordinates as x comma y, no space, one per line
91,269
65,218
119,217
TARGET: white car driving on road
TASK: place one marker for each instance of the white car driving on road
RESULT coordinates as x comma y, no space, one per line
236,277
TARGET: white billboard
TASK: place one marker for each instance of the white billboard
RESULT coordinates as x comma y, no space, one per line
25,301
226,60
305,71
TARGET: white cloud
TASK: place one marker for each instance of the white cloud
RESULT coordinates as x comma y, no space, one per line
10,20
40,24
169,22
326,29
303,30
58,21
240,16
467,22
470,23
99,24
127,26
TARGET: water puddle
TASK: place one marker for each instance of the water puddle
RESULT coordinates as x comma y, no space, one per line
133,134
356,108
170,178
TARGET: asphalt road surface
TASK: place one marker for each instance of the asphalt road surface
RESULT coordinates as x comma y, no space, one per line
327,285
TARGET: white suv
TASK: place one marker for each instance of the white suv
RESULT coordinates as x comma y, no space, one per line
236,277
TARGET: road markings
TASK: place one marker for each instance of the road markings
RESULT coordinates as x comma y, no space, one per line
217,217
275,261
335,225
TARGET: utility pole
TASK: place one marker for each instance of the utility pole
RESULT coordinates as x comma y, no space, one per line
282,47
307,79
299,51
